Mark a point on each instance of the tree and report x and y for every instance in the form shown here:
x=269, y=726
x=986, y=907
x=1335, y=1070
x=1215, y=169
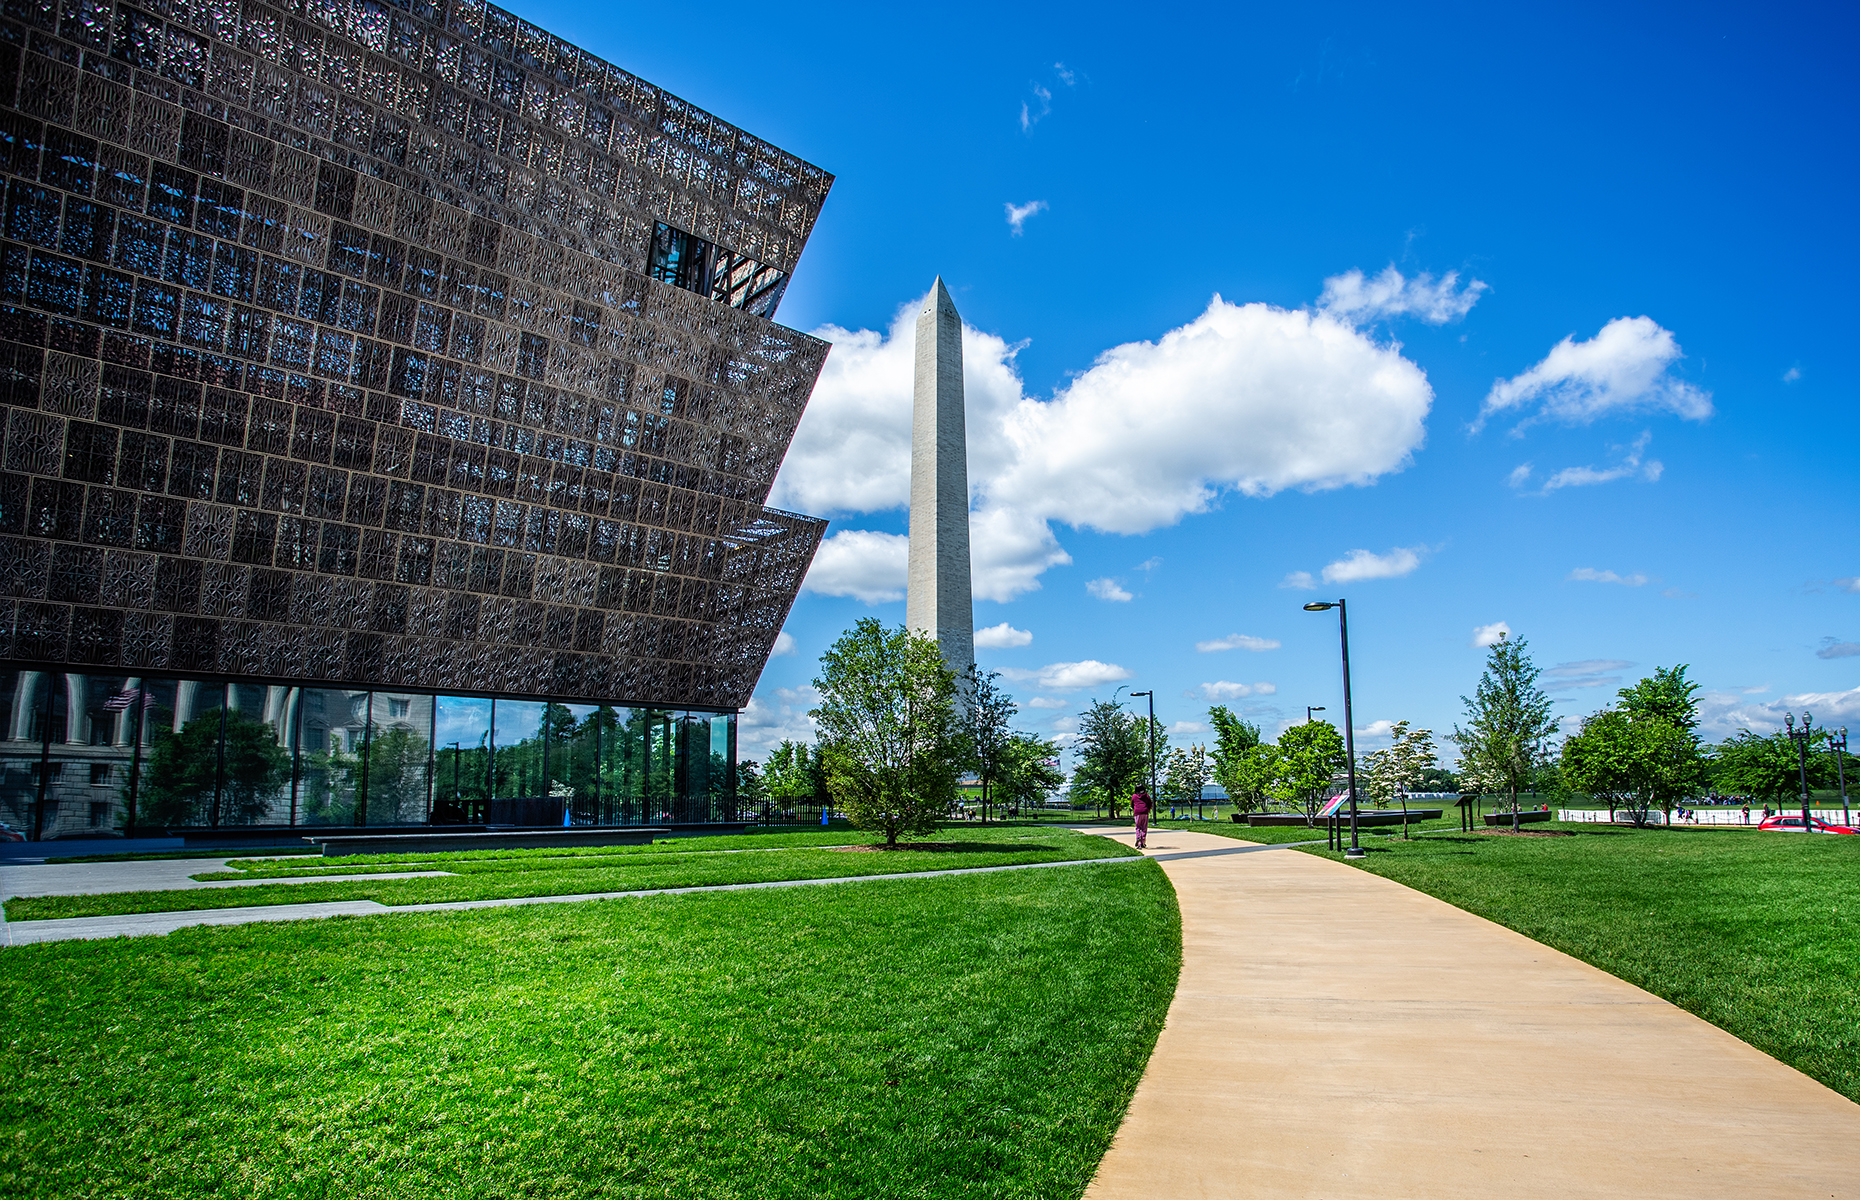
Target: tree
x=1244, y=762
x=1637, y=759
x=1112, y=754
x=1188, y=772
x=986, y=711
x=1400, y=769
x=890, y=737
x=1030, y=770
x=789, y=776
x=1507, y=719
x=1766, y=768
x=751, y=792
x=1309, y=757
x=1667, y=694
x=396, y=780
x=183, y=784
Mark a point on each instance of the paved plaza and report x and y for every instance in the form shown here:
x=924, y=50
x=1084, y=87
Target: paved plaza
x=1337, y=1034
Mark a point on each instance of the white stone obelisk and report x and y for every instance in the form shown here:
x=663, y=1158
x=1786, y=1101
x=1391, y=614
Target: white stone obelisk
x=938, y=602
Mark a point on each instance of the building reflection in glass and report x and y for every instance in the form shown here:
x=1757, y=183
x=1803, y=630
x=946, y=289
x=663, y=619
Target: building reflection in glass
x=123, y=755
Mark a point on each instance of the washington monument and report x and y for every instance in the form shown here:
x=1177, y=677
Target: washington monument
x=938, y=600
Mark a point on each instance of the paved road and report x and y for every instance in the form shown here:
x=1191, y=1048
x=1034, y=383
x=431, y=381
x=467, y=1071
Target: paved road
x=1336, y=1034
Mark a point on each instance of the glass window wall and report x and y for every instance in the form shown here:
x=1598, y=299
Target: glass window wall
x=107, y=755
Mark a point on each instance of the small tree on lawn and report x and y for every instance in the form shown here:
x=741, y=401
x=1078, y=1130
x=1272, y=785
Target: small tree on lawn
x=891, y=740
x=1309, y=757
x=1111, y=755
x=1507, y=719
x=1765, y=768
x=1188, y=771
x=1244, y=762
x=1030, y=770
x=986, y=712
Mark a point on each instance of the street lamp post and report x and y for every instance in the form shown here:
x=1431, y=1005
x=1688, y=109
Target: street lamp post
x=1152, y=735
x=1349, y=730
x=1839, y=746
x=1800, y=738
x=1311, y=708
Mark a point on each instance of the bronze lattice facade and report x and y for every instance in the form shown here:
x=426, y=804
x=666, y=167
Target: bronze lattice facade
x=379, y=346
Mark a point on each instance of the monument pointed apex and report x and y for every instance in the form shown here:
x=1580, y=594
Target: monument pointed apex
x=939, y=297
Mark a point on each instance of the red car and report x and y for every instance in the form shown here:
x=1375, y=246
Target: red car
x=1794, y=825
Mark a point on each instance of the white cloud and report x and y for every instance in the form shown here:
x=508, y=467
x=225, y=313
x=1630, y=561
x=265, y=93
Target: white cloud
x=784, y=644
x=1237, y=641
x=1489, y=635
x=1002, y=637
x=1792, y=374
x=1591, y=575
x=1359, y=300
x=1586, y=666
x=771, y=719
x=1048, y=702
x=1017, y=214
x=861, y=563
x=1300, y=580
x=1150, y=564
x=1586, y=673
x=1109, y=589
x=1633, y=463
x=1624, y=368
x=1223, y=690
x=1070, y=677
x=1028, y=117
x=1848, y=585
x=1186, y=727
x=1835, y=648
x=1359, y=565
x=1723, y=713
x=1376, y=729
x=1065, y=73
x=1245, y=398
x=1520, y=475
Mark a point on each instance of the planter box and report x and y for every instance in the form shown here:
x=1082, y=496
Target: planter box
x=1364, y=816
x=1524, y=818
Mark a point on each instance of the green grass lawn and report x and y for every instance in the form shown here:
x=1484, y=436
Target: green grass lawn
x=1758, y=933
x=968, y=1036
x=694, y=862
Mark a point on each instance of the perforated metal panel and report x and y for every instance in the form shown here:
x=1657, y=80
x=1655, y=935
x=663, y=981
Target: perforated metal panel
x=332, y=347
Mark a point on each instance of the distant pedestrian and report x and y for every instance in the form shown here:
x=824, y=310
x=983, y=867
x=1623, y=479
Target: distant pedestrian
x=1140, y=809
x=1746, y=814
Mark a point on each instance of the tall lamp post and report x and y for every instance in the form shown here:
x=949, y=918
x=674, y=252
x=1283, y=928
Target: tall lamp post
x=1311, y=708
x=1349, y=725
x=1839, y=746
x=1152, y=735
x=1800, y=738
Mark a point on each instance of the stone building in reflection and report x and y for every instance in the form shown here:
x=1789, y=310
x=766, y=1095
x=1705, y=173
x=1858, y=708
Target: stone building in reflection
x=390, y=395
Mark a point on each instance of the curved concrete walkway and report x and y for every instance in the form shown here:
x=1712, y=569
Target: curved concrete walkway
x=1336, y=1034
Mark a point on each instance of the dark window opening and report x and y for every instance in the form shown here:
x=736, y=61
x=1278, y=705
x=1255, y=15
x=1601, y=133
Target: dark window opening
x=687, y=261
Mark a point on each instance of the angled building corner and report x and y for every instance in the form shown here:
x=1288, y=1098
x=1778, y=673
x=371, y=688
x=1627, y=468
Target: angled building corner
x=362, y=365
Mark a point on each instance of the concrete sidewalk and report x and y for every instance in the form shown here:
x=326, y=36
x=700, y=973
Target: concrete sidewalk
x=26, y=933
x=1336, y=1034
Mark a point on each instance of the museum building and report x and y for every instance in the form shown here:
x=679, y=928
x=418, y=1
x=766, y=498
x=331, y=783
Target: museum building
x=391, y=392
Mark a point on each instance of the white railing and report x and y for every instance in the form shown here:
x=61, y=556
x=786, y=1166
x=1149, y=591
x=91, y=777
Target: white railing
x=1694, y=816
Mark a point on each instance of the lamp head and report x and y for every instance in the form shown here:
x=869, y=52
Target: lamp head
x=1319, y=606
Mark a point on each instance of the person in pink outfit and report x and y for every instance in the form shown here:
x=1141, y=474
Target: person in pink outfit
x=1140, y=809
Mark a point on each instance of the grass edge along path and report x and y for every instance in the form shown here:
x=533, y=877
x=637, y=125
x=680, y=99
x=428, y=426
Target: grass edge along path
x=975, y=1035
x=1757, y=933
x=508, y=878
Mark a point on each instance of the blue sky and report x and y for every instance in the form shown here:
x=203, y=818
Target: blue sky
x=1670, y=189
